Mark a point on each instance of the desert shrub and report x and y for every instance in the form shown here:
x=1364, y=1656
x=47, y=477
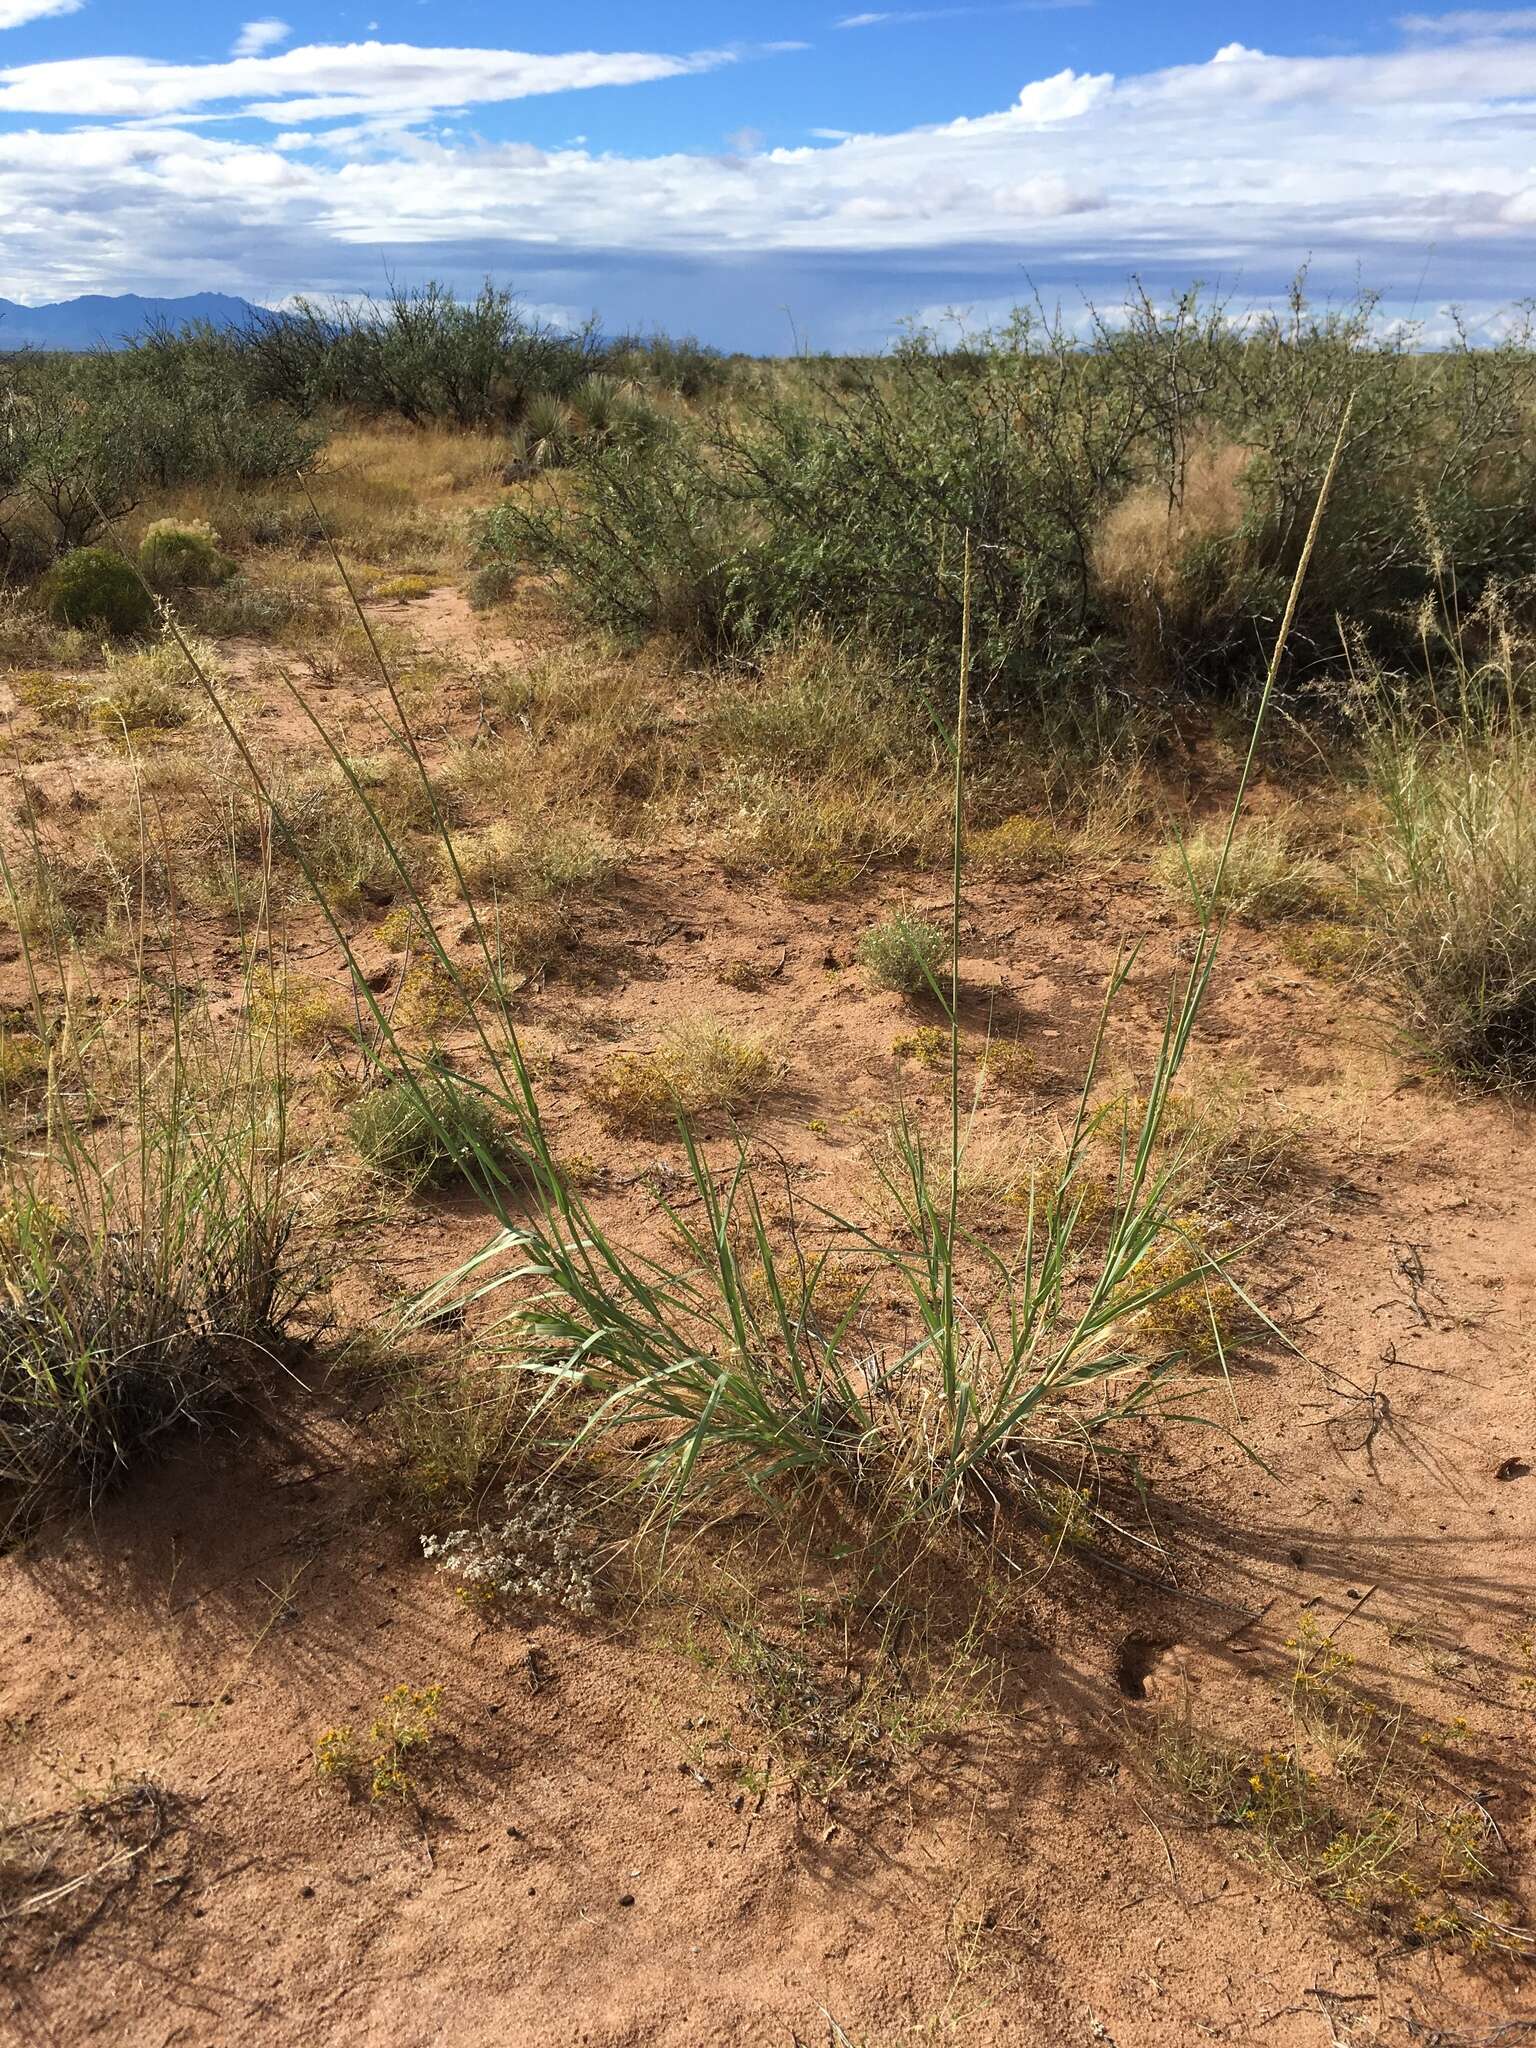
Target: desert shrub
x=646, y=545
x=680, y=364
x=85, y=436
x=183, y=555
x=421, y=354
x=432, y=1131
x=903, y=953
x=95, y=587
x=493, y=583
x=26, y=552
x=1142, y=498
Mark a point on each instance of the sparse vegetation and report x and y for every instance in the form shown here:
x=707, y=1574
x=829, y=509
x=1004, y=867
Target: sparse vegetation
x=807, y=1330
x=400, y=1739
x=536, y=1552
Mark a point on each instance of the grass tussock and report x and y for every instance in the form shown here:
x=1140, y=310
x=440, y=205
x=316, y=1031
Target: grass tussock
x=433, y=1130
x=903, y=953
x=149, y=1270
x=1268, y=874
x=700, y=1069
x=1453, y=886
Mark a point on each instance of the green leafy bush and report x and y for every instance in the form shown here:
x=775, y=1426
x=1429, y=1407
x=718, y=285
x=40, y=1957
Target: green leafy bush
x=95, y=587
x=183, y=555
x=1133, y=506
x=493, y=583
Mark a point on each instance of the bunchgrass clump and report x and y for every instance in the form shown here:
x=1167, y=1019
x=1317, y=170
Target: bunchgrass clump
x=1020, y=849
x=903, y=953
x=1453, y=889
x=699, y=1068
x=148, y=1273
x=492, y=584
x=433, y=1130
x=1267, y=875
x=544, y=863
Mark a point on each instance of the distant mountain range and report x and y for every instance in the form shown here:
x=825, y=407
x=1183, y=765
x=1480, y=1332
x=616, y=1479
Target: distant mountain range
x=93, y=321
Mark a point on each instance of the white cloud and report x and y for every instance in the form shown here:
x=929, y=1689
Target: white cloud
x=1241, y=164
x=1066, y=97
x=1472, y=21
x=257, y=37
x=895, y=17
x=17, y=13
x=321, y=82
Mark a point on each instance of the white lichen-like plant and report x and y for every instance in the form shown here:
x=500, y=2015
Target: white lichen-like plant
x=536, y=1553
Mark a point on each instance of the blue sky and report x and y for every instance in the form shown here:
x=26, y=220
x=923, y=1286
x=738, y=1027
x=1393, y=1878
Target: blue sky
x=749, y=172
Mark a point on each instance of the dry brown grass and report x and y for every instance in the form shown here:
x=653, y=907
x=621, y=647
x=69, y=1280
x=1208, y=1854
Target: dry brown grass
x=1270, y=873
x=1142, y=547
x=698, y=1068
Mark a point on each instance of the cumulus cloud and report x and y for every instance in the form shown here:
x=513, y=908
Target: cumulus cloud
x=1236, y=166
x=257, y=37
x=17, y=13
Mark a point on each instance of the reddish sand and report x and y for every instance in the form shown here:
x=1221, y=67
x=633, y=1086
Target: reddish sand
x=577, y=1871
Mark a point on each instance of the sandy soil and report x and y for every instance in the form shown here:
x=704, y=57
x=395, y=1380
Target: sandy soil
x=586, y=1864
